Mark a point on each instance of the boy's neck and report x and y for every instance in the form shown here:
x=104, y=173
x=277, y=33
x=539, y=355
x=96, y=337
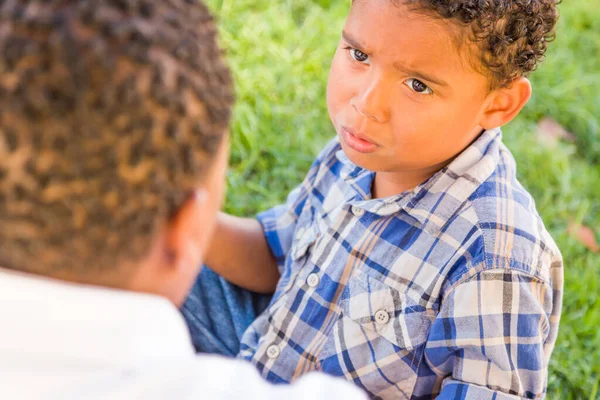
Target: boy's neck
x=388, y=184
x=391, y=183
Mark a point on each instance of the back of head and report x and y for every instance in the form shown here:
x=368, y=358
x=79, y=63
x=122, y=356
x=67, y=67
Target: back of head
x=111, y=112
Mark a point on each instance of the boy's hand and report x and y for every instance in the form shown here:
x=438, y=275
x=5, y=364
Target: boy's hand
x=239, y=253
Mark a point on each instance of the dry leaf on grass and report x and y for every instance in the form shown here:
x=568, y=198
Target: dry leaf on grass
x=584, y=235
x=550, y=132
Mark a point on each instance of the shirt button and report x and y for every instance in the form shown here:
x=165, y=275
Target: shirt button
x=382, y=317
x=313, y=280
x=359, y=212
x=273, y=351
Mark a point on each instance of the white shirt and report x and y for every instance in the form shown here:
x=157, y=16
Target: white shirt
x=67, y=341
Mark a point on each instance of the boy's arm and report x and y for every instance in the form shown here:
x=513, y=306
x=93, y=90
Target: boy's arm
x=239, y=252
x=493, y=336
x=251, y=253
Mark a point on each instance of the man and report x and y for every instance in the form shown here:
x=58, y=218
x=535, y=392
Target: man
x=113, y=150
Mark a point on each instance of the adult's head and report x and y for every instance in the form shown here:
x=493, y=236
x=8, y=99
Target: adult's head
x=113, y=140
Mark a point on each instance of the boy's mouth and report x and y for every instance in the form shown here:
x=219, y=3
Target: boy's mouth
x=358, y=141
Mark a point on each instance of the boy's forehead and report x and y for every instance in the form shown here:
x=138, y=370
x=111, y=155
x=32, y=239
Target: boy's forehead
x=393, y=31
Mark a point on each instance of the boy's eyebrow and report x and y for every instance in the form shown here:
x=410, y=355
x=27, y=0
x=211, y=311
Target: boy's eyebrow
x=353, y=42
x=419, y=75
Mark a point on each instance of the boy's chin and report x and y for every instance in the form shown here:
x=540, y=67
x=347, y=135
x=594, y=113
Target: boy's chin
x=368, y=161
x=374, y=162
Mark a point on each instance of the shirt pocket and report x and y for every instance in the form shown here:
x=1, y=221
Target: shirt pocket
x=379, y=338
x=305, y=237
x=387, y=312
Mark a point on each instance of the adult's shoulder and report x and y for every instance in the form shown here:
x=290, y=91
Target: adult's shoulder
x=217, y=377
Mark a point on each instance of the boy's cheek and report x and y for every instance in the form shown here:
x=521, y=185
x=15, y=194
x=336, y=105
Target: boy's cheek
x=339, y=89
x=335, y=97
x=339, y=74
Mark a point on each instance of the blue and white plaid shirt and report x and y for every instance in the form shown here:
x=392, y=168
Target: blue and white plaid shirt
x=452, y=290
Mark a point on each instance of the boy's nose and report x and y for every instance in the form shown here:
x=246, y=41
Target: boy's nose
x=372, y=101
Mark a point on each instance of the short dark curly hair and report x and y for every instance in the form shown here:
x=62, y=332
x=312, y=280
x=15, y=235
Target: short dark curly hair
x=111, y=111
x=512, y=35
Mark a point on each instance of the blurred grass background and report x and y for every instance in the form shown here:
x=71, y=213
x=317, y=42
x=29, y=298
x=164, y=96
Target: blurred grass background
x=280, y=53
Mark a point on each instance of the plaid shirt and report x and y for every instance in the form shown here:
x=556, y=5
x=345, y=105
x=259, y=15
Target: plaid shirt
x=452, y=290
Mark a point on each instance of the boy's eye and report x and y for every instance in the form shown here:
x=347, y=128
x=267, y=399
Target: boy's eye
x=418, y=86
x=359, y=55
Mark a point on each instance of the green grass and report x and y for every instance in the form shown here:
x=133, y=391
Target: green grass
x=280, y=53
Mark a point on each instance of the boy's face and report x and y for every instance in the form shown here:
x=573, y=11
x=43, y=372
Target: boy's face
x=402, y=96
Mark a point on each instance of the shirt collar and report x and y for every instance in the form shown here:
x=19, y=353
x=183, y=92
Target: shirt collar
x=48, y=319
x=434, y=201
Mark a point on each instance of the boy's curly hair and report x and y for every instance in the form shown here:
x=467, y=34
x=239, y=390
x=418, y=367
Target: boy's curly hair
x=110, y=113
x=512, y=35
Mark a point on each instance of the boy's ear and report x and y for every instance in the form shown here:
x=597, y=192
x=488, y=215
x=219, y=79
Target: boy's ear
x=505, y=103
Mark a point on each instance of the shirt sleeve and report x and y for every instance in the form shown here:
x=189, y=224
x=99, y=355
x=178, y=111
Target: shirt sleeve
x=493, y=337
x=279, y=222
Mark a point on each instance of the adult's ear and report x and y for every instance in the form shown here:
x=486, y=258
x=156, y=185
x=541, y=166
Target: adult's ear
x=186, y=237
x=178, y=251
x=175, y=257
x=504, y=104
x=189, y=231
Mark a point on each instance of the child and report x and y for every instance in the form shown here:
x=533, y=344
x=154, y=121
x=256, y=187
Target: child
x=113, y=151
x=412, y=261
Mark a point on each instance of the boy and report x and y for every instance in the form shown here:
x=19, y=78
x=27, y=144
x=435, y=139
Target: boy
x=412, y=261
x=113, y=149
